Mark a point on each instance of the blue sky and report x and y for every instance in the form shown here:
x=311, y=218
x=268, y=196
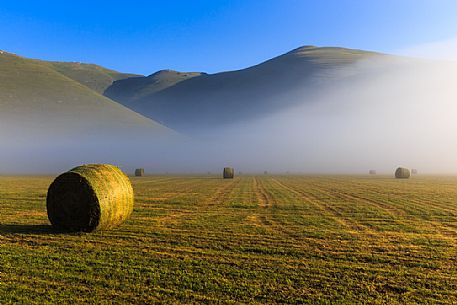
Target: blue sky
x=214, y=35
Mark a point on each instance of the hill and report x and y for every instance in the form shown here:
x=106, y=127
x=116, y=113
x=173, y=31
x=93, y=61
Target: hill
x=135, y=88
x=93, y=76
x=36, y=98
x=211, y=100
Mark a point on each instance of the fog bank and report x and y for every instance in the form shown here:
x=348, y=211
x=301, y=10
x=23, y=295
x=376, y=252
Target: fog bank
x=378, y=115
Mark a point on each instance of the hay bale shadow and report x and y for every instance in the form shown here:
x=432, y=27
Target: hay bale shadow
x=30, y=229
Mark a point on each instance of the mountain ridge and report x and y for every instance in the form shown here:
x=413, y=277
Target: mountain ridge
x=96, y=77
x=135, y=88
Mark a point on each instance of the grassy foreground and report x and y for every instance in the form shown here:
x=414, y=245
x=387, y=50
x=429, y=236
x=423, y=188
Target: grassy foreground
x=266, y=239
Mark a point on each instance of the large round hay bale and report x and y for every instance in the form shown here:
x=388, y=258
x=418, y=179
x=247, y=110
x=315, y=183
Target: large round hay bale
x=413, y=171
x=228, y=173
x=139, y=172
x=90, y=197
x=402, y=173
x=372, y=172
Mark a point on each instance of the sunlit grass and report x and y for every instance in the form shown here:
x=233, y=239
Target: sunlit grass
x=284, y=239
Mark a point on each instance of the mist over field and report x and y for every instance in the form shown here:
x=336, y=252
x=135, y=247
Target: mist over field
x=377, y=113
x=378, y=119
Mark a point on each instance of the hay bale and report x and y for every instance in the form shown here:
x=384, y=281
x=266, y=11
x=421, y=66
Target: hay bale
x=413, y=171
x=372, y=172
x=402, y=173
x=90, y=197
x=265, y=172
x=228, y=173
x=139, y=172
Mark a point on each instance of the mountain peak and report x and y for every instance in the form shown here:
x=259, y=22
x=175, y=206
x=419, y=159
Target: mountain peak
x=173, y=73
x=330, y=54
x=304, y=48
x=165, y=71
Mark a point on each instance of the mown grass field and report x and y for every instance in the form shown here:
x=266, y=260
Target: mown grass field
x=268, y=239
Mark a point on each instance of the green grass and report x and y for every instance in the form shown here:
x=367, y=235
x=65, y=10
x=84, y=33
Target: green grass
x=46, y=101
x=93, y=76
x=268, y=239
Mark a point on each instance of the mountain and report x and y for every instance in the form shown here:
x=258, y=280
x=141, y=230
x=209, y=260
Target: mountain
x=41, y=97
x=203, y=101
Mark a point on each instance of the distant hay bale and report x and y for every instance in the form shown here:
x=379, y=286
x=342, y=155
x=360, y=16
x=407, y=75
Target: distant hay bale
x=413, y=171
x=90, y=197
x=402, y=173
x=372, y=172
x=265, y=172
x=139, y=172
x=228, y=173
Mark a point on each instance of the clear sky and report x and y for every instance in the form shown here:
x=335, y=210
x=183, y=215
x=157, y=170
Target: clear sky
x=214, y=35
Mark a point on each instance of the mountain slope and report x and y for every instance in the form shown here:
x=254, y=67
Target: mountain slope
x=93, y=76
x=132, y=89
x=207, y=101
x=35, y=97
